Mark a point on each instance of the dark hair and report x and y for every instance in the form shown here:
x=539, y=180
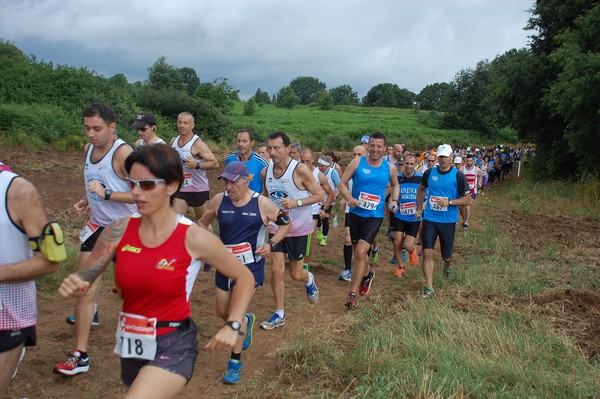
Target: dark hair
x=377, y=135
x=469, y=155
x=250, y=133
x=334, y=157
x=163, y=161
x=103, y=111
x=261, y=145
x=280, y=134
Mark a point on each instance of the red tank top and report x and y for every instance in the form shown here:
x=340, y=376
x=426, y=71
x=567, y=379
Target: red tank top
x=156, y=282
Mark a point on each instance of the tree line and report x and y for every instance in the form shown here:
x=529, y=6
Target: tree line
x=547, y=92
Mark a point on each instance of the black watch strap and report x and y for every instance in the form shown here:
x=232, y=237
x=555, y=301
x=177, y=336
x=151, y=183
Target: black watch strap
x=272, y=244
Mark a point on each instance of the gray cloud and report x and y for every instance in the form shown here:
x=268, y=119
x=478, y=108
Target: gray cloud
x=265, y=43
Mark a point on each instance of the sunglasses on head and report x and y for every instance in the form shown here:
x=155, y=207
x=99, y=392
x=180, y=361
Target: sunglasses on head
x=145, y=184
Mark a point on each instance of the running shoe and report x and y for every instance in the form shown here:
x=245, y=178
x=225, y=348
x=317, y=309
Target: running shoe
x=319, y=235
x=351, y=301
x=403, y=255
x=323, y=242
x=312, y=292
x=365, y=284
x=95, y=320
x=465, y=226
x=399, y=272
x=233, y=375
x=374, y=256
x=393, y=260
x=414, y=257
x=346, y=275
x=274, y=322
x=248, y=338
x=74, y=365
x=447, y=271
x=428, y=293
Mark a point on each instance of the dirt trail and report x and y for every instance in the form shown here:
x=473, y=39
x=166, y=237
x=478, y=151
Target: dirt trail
x=58, y=177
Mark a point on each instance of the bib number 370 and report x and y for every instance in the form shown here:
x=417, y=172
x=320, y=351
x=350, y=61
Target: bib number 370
x=136, y=337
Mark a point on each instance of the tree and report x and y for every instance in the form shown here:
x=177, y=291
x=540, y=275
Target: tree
x=344, y=95
x=220, y=93
x=389, y=95
x=286, y=98
x=262, y=97
x=250, y=107
x=190, y=79
x=325, y=101
x=161, y=75
x=307, y=88
x=433, y=97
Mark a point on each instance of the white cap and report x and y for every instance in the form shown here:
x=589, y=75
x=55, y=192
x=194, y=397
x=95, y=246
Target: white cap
x=458, y=160
x=444, y=150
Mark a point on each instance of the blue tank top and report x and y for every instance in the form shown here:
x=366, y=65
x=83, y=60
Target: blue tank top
x=242, y=230
x=407, y=204
x=368, y=187
x=441, y=185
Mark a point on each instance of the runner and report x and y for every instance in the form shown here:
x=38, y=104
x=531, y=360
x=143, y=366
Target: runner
x=291, y=186
x=108, y=197
x=405, y=227
x=21, y=216
x=370, y=175
x=346, y=275
x=254, y=162
x=261, y=150
x=318, y=209
x=475, y=179
x=447, y=189
x=243, y=216
x=145, y=124
x=159, y=256
x=333, y=180
x=197, y=158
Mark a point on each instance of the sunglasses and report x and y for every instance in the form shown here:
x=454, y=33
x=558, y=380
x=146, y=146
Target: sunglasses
x=143, y=129
x=145, y=185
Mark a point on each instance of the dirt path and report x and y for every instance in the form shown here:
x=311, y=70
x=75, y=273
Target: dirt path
x=58, y=177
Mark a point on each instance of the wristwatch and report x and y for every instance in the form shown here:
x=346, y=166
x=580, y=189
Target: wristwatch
x=107, y=194
x=272, y=244
x=235, y=325
x=450, y=202
x=299, y=203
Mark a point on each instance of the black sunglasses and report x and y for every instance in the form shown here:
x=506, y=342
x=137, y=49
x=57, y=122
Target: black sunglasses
x=143, y=129
x=145, y=185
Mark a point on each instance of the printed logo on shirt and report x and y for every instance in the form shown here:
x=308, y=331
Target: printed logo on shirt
x=248, y=213
x=366, y=171
x=130, y=248
x=166, y=265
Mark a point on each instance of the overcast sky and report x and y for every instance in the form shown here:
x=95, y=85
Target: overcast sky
x=267, y=43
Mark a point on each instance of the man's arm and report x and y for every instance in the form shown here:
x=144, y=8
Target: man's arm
x=343, y=187
x=394, y=188
x=270, y=213
x=118, y=163
x=211, y=211
x=304, y=176
x=327, y=188
x=201, y=150
x=24, y=207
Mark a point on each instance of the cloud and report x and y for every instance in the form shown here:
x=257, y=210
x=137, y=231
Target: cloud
x=265, y=44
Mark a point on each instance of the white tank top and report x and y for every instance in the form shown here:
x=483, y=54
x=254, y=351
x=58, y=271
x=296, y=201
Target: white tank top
x=471, y=175
x=105, y=212
x=18, y=304
x=284, y=187
x=316, y=208
x=194, y=180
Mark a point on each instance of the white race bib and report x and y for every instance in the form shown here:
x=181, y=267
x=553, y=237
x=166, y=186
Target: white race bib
x=187, y=180
x=136, y=337
x=408, y=208
x=243, y=252
x=89, y=229
x=435, y=206
x=368, y=201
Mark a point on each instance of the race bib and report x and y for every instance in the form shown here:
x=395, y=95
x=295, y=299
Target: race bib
x=368, y=201
x=409, y=208
x=187, y=180
x=243, y=252
x=435, y=206
x=89, y=229
x=136, y=337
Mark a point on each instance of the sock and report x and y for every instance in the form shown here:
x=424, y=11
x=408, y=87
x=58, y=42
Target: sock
x=348, y=256
x=82, y=354
x=280, y=313
x=236, y=356
x=95, y=307
x=311, y=280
